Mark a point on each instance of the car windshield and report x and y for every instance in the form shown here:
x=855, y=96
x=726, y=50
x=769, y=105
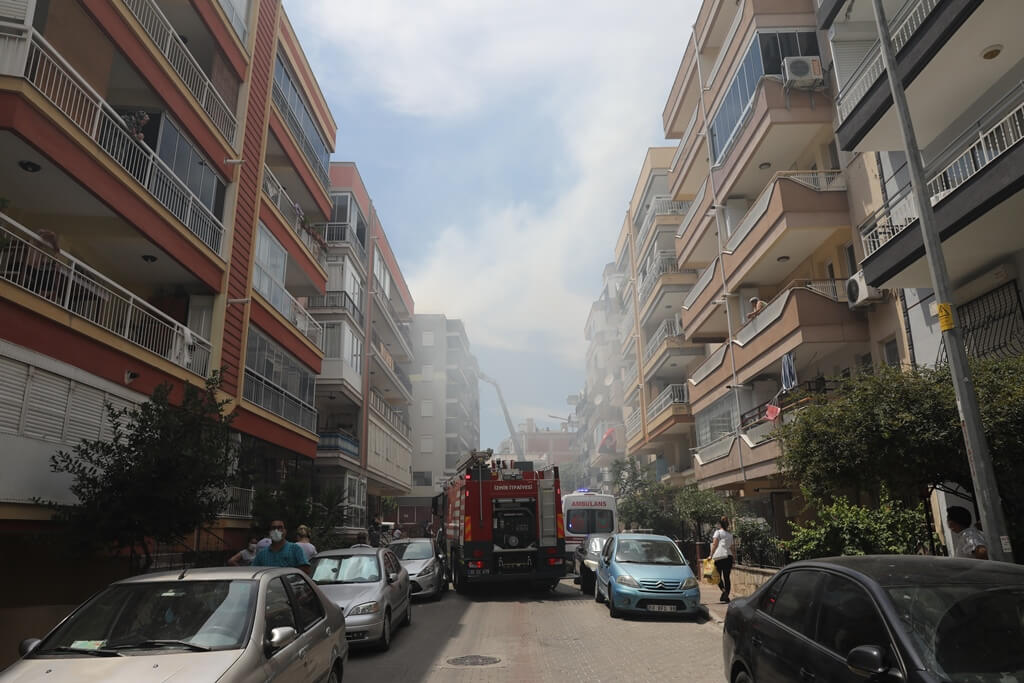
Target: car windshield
x=199, y=615
x=967, y=632
x=414, y=550
x=346, y=569
x=587, y=521
x=648, y=552
x=597, y=543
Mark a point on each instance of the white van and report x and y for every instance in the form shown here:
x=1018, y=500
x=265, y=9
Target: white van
x=587, y=512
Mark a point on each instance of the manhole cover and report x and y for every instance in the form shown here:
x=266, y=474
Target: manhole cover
x=473, y=660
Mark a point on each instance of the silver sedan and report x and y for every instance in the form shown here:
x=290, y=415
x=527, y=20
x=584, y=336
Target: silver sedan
x=425, y=565
x=221, y=624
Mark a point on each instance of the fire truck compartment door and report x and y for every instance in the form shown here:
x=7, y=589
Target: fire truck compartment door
x=548, y=517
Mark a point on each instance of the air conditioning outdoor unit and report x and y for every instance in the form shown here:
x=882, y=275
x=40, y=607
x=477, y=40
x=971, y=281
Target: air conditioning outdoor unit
x=858, y=293
x=802, y=73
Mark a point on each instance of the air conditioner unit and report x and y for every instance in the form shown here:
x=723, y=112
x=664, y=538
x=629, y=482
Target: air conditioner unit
x=802, y=73
x=858, y=293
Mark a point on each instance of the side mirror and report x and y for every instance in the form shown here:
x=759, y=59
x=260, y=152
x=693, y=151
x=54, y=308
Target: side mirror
x=867, y=661
x=27, y=646
x=280, y=637
x=392, y=577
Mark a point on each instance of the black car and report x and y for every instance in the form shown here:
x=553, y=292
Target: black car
x=880, y=618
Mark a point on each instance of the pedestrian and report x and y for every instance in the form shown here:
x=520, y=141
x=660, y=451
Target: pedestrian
x=302, y=540
x=756, y=306
x=967, y=541
x=244, y=557
x=397, y=533
x=280, y=552
x=721, y=555
x=375, y=532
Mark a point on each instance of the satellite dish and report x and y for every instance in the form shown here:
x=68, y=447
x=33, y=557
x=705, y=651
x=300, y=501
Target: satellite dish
x=609, y=379
x=598, y=399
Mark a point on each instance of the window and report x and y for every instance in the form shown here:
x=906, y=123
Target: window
x=833, y=155
x=795, y=599
x=308, y=609
x=277, y=381
x=426, y=444
x=381, y=274
x=851, y=260
x=427, y=408
x=422, y=479
x=279, y=607
x=355, y=499
x=891, y=353
x=830, y=270
x=191, y=167
x=428, y=338
x=451, y=461
x=848, y=618
x=427, y=373
x=333, y=336
x=717, y=420
x=272, y=266
x=316, y=153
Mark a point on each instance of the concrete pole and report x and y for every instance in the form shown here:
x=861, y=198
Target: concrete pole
x=983, y=474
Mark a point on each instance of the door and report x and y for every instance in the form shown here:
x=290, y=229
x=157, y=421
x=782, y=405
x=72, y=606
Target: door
x=284, y=665
x=602, y=565
x=312, y=625
x=780, y=626
x=398, y=592
x=848, y=618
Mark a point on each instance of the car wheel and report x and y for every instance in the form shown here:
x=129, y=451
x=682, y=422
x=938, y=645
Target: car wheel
x=613, y=611
x=597, y=592
x=407, y=621
x=385, y=637
x=742, y=677
x=335, y=676
x=460, y=585
x=587, y=582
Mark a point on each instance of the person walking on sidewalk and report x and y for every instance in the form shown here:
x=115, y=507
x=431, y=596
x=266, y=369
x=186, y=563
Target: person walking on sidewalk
x=721, y=555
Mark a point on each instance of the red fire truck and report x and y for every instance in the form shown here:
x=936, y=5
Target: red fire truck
x=503, y=523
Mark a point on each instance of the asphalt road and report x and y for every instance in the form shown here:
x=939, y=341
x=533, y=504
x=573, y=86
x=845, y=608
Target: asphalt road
x=559, y=636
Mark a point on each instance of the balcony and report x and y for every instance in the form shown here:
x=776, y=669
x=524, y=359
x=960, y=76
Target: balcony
x=295, y=128
x=237, y=20
x=342, y=235
x=667, y=354
x=338, y=442
x=660, y=213
x=29, y=56
x=690, y=162
x=630, y=379
x=703, y=307
x=271, y=397
x=695, y=239
x=796, y=213
x=669, y=413
x=294, y=217
x=396, y=377
x=390, y=415
x=663, y=289
x=336, y=301
x=395, y=336
x=240, y=505
x=974, y=186
x=287, y=305
x=634, y=425
x=88, y=295
x=171, y=46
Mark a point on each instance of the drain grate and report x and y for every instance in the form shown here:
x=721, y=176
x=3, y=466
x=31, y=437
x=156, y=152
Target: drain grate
x=473, y=660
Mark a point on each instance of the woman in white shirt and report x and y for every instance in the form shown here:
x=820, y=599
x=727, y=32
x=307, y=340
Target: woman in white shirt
x=721, y=555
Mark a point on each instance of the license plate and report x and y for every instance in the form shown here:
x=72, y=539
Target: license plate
x=661, y=608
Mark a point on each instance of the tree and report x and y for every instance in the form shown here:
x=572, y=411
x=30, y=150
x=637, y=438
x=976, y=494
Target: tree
x=293, y=503
x=164, y=472
x=642, y=501
x=700, y=507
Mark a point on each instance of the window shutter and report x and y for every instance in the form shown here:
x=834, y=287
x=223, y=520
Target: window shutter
x=847, y=56
x=86, y=414
x=13, y=380
x=47, y=406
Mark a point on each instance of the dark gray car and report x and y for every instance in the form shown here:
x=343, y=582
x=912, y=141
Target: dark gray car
x=586, y=560
x=428, y=574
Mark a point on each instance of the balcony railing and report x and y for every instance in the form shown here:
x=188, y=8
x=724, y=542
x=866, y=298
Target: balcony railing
x=628, y=321
x=240, y=505
x=830, y=289
x=237, y=21
x=633, y=424
x=296, y=129
x=666, y=329
x=293, y=216
x=702, y=283
x=393, y=417
x=279, y=297
x=657, y=269
x=903, y=26
x=54, y=78
x=170, y=44
x=339, y=441
x=271, y=397
x=336, y=234
x=385, y=307
x=660, y=206
x=629, y=377
x=672, y=394
x=86, y=293
x=798, y=395
x=691, y=213
x=342, y=300
x=820, y=181
x=991, y=136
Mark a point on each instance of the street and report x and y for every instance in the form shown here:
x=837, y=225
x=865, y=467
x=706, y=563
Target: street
x=541, y=636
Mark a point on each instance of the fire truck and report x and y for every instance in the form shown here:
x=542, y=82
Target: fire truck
x=503, y=523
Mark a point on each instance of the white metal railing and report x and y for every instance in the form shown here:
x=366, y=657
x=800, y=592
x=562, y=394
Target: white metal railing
x=964, y=158
x=237, y=21
x=342, y=233
x=903, y=26
x=691, y=213
x=628, y=320
x=702, y=283
x=715, y=450
x=666, y=329
x=54, y=78
x=240, y=505
x=660, y=206
x=279, y=297
x=656, y=270
x=633, y=424
x=820, y=181
x=170, y=44
x=300, y=135
x=394, y=418
x=86, y=293
x=384, y=306
x=710, y=364
x=293, y=215
x=830, y=289
x=269, y=396
x=672, y=394
x=630, y=375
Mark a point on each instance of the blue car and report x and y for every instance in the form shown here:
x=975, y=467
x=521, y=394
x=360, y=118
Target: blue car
x=645, y=573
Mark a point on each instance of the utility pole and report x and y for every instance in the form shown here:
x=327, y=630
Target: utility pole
x=985, y=491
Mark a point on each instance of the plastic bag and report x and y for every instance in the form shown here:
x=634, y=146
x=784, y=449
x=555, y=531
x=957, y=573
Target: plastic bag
x=710, y=572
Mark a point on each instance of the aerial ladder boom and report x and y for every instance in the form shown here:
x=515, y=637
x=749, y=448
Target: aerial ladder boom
x=516, y=446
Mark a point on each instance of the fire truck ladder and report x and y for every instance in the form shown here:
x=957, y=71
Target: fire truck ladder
x=516, y=446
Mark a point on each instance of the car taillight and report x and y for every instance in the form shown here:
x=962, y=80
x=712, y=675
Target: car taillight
x=555, y=560
x=475, y=564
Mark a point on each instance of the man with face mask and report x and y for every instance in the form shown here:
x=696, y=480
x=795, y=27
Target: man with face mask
x=245, y=556
x=280, y=553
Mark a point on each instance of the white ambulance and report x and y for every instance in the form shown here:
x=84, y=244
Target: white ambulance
x=587, y=512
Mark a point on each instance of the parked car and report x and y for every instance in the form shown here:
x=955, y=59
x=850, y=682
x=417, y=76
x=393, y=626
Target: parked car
x=587, y=554
x=880, y=618
x=645, y=573
x=221, y=624
x=372, y=588
x=428, y=573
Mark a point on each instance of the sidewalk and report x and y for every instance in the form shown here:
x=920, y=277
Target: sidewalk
x=709, y=598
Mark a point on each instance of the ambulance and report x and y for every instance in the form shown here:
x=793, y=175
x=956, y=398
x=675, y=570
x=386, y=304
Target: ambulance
x=587, y=512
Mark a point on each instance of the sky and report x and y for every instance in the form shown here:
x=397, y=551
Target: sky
x=500, y=143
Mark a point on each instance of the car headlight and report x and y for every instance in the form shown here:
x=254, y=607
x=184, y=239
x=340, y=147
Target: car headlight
x=427, y=571
x=365, y=608
x=689, y=583
x=626, y=580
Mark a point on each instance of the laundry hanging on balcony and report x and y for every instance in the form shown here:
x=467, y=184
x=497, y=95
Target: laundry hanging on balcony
x=788, y=372
x=607, y=444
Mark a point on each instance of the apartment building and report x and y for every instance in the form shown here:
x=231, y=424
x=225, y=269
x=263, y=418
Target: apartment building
x=364, y=392
x=970, y=147
x=601, y=434
x=164, y=163
x=656, y=359
x=446, y=409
